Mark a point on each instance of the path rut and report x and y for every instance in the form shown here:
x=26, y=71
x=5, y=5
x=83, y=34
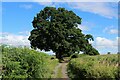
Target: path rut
x=63, y=70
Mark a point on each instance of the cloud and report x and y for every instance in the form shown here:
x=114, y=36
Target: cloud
x=103, y=9
x=0, y=16
x=45, y=3
x=76, y=0
x=26, y=6
x=113, y=31
x=102, y=44
x=48, y=52
x=24, y=33
x=82, y=27
x=108, y=10
x=110, y=30
x=60, y=0
x=14, y=40
x=51, y=4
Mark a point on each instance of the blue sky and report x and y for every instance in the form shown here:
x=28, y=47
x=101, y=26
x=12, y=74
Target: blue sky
x=98, y=18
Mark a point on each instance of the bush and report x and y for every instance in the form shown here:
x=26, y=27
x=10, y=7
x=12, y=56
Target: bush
x=108, y=53
x=52, y=58
x=74, y=55
x=25, y=63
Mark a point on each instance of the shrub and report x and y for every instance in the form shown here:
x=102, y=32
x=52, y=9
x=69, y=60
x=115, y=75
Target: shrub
x=25, y=63
x=108, y=53
x=52, y=58
x=74, y=55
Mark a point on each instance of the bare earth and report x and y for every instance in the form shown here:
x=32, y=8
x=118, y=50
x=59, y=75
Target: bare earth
x=63, y=72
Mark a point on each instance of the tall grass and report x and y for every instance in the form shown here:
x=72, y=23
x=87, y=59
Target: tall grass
x=101, y=66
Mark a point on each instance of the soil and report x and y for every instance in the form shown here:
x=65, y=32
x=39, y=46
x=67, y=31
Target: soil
x=63, y=70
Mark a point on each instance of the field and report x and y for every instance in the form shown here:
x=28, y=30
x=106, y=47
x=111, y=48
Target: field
x=100, y=66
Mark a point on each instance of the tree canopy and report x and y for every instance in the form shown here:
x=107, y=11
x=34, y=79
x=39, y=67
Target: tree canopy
x=57, y=30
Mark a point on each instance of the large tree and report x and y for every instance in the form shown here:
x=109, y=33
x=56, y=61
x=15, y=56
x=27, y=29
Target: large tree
x=57, y=30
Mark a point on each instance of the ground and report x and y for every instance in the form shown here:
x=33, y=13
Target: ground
x=61, y=70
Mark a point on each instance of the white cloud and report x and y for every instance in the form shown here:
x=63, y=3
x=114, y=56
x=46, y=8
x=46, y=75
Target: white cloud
x=0, y=18
x=108, y=10
x=110, y=30
x=102, y=44
x=24, y=33
x=102, y=9
x=15, y=40
x=82, y=27
x=51, y=4
x=26, y=6
x=48, y=52
x=113, y=31
x=45, y=3
x=60, y=0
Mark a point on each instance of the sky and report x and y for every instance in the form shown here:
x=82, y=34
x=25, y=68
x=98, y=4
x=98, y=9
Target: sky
x=98, y=18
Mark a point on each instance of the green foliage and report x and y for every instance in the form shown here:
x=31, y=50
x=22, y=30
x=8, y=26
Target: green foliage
x=90, y=50
x=0, y=62
x=102, y=66
x=25, y=63
x=75, y=55
x=108, y=53
x=57, y=30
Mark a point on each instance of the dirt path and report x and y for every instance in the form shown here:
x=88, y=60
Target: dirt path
x=64, y=70
x=56, y=70
x=61, y=71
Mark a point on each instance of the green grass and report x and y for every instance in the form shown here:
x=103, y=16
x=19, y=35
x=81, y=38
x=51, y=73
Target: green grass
x=59, y=74
x=0, y=64
x=0, y=56
x=52, y=64
x=100, y=66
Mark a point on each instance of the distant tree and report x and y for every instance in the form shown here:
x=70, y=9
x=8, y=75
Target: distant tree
x=88, y=49
x=57, y=30
x=108, y=53
x=118, y=52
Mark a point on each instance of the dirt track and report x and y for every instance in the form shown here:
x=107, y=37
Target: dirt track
x=63, y=70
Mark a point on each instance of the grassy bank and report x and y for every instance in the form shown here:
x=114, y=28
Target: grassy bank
x=101, y=66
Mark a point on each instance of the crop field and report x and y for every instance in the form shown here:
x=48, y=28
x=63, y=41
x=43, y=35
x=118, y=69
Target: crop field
x=100, y=66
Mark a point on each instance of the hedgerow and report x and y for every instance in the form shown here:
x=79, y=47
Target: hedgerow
x=25, y=63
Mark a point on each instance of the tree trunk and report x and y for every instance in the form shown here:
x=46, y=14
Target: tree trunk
x=59, y=57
